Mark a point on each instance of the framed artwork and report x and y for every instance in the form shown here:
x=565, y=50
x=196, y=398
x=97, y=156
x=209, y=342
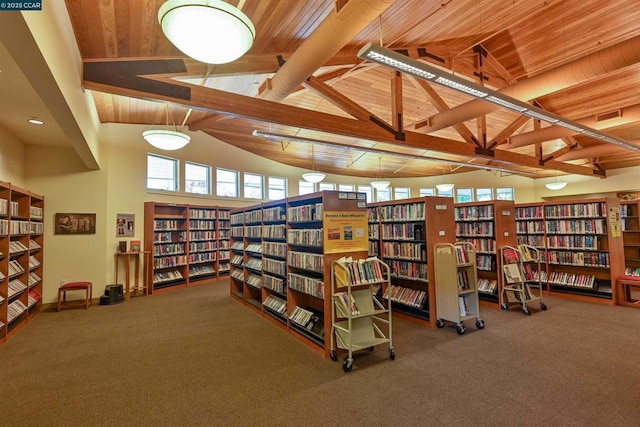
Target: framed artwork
x=125, y=225
x=75, y=223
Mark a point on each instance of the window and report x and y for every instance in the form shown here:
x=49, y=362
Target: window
x=427, y=192
x=484, y=194
x=366, y=189
x=197, y=178
x=253, y=186
x=445, y=193
x=383, y=195
x=464, y=195
x=305, y=187
x=402, y=193
x=504, y=194
x=227, y=183
x=326, y=186
x=162, y=173
x=346, y=187
x=277, y=188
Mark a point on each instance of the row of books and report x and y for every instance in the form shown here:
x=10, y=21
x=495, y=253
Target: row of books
x=15, y=309
x=463, y=306
x=254, y=247
x=15, y=287
x=276, y=213
x=253, y=216
x=203, y=246
x=402, y=232
x=274, y=266
x=34, y=262
x=167, y=276
x=487, y=286
x=462, y=254
x=201, y=270
x=276, y=284
x=198, y=257
x=407, y=296
x=577, y=226
x=15, y=268
x=577, y=210
x=361, y=271
x=238, y=274
x=202, y=224
x=408, y=270
x=473, y=213
x=463, y=280
x=238, y=245
x=487, y=245
x=276, y=304
x=632, y=271
x=168, y=237
x=345, y=304
x=374, y=231
x=237, y=218
x=484, y=229
x=167, y=224
x=169, y=261
x=306, y=261
x=529, y=212
x=373, y=214
x=485, y=262
x=253, y=231
x=16, y=246
x=254, y=280
x=406, y=212
x=237, y=260
x=530, y=227
x=574, y=242
x=537, y=241
x=237, y=231
x=202, y=235
x=411, y=251
x=305, y=237
x=305, y=213
x=34, y=279
x=254, y=264
x=274, y=249
x=167, y=249
x=307, y=285
x=588, y=259
x=33, y=298
x=373, y=249
x=202, y=213
x=274, y=231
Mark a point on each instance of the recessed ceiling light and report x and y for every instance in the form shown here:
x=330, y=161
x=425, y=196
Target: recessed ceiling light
x=35, y=121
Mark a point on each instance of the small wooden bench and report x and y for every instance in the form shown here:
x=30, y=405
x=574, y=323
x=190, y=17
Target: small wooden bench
x=627, y=285
x=63, y=304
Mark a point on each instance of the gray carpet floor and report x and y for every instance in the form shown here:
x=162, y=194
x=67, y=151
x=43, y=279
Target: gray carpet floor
x=197, y=357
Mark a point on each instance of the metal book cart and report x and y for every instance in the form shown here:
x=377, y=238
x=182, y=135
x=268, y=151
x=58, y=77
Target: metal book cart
x=519, y=277
x=358, y=319
x=456, y=285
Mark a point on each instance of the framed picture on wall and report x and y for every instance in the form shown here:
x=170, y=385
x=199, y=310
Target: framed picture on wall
x=75, y=223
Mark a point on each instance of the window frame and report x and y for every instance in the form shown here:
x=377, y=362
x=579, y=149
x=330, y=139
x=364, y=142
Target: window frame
x=237, y=182
x=251, y=186
x=176, y=172
x=207, y=181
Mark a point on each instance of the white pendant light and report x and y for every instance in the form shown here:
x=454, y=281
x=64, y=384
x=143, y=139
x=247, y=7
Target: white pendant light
x=379, y=183
x=210, y=31
x=166, y=139
x=556, y=185
x=315, y=176
x=444, y=186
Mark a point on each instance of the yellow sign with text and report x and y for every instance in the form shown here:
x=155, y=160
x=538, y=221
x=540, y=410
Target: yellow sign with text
x=345, y=232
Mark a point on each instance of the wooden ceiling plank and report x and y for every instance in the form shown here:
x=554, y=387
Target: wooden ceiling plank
x=396, y=101
x=503, y=136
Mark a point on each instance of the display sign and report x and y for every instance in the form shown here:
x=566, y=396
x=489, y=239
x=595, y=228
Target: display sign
x=345, y=231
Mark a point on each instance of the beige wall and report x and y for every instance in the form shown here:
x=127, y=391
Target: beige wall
x=11, y=158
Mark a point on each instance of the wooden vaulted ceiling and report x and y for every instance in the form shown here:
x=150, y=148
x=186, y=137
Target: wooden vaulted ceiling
x=354, y=106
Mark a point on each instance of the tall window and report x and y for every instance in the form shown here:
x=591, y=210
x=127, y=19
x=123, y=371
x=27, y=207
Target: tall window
x=162, y=173
x=366, y=189
x=197, y=178
x=402, y=193
x=383, y=195
x=277, y=188
x=427, y=192
x=305, y=187
x=253, y=186
x=346, y=187
x=227, y=183
x=504, y=194
x=465, y=195
x=445, y=193
x=326, y=186
x=484, y=194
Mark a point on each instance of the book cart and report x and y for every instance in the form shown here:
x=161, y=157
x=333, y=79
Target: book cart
x=359, y=320
x=519, y=276
x=456, y=285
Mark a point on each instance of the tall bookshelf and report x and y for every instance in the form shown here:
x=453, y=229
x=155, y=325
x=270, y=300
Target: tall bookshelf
x=488, y=226
x=189, y=244
x=299, y=238
x=630, y=216
x=582, y=245
x=21, y=257
x=408, y=230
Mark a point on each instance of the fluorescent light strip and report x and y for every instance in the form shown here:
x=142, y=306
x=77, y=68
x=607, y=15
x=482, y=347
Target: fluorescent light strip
x=388, y=57
x=279, y=138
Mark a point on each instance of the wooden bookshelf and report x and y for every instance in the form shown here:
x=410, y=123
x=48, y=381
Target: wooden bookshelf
x=408, y=230
x=583, y=246
x=488, y=226
x=21, y=257
x=189, y=244
x=628, y=286
x=300, y=237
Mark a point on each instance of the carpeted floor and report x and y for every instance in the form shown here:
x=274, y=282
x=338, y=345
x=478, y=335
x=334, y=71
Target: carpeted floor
x=197, y=357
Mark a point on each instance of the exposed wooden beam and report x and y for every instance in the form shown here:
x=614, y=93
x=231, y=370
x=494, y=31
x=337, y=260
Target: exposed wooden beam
x=503, y=136
x=126, y=82
x=396, y=101
x=331, y=95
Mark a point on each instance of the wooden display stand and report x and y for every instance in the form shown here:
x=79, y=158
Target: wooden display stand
x=127, y=258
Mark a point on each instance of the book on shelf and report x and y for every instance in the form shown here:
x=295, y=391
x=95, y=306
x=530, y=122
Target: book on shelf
x=526, y=253
x=512, y=273
x=346, y=304
x=135, y=246
x=510, y=255
x=122, y=246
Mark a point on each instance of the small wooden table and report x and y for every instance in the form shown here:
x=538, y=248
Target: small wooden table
x=627, y=285
x=135, y=257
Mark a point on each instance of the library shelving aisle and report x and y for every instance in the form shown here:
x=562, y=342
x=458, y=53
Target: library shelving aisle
x=585, y=251
x=359, y=320
x=274, y=260
x=189, y=244
x=253, y=257
x=373, y=215
x=409, y=229
x=321, y=227
x=456, y=285
x=530, y=230
x=629, y=285
x=488, y=226
x=521, y=272
x=236, y=280
x=21, y=242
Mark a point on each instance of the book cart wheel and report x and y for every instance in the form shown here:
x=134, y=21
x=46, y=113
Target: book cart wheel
x=392, y=354
x=333, y=355
x=440, y=323
x=371, y=348
x=526, y=311
x=479, y=323
x=347, y=366
x=543, y=306
x=461, y=330
x=504, y=306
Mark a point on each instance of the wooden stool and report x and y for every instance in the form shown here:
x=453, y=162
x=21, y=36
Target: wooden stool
x=74, y=286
